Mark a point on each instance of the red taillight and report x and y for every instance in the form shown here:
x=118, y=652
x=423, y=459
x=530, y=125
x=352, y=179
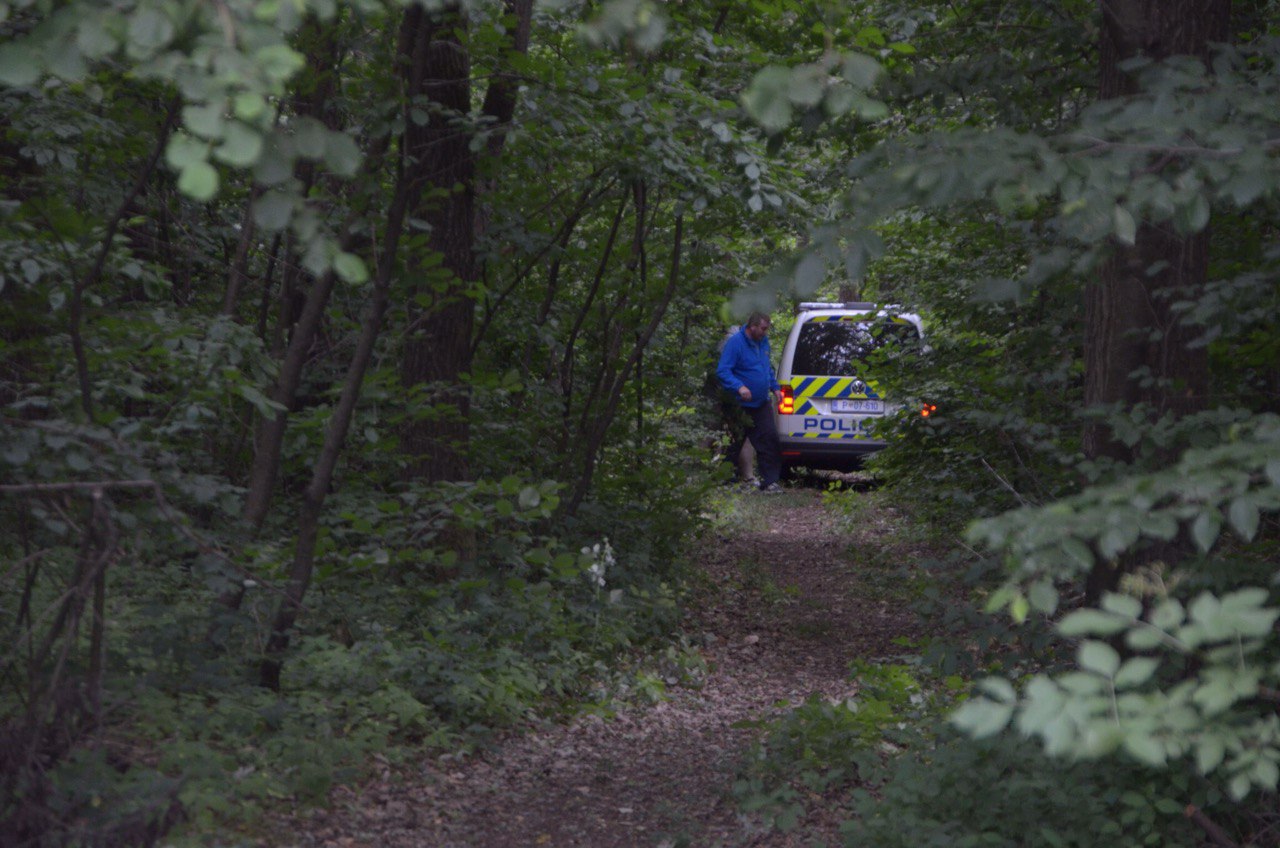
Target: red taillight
x=786, y=401
x=928, y=409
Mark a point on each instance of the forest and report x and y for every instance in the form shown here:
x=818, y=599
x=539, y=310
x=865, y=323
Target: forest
x=354, y=402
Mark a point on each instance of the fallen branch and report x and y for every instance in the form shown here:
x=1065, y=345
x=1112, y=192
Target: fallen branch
x=174, y=516
x=93, y=485
x=1216, y=834
x=1006, y=484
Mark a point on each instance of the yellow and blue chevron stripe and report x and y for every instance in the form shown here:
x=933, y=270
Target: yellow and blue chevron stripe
x=805, y=389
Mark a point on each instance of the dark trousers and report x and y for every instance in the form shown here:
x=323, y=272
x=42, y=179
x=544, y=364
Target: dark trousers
x=763, y=434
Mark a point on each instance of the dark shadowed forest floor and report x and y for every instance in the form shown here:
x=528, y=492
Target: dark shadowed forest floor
x=786, y=605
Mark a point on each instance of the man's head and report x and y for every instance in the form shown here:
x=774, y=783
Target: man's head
x=757, y=326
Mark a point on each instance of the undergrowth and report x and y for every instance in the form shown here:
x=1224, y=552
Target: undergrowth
x=818, y=751
x=888, y=760
x=406, y=651
x=902, y=777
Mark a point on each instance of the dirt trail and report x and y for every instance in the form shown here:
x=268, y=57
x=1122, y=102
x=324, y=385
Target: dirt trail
x=776, y=627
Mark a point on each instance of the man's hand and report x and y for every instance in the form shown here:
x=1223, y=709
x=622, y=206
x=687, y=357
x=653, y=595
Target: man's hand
x=744, y=393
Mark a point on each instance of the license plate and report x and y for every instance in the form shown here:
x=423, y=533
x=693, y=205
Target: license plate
x=864, y=406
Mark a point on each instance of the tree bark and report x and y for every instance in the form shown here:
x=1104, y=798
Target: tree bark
x=1136, y=349
x=442, y=314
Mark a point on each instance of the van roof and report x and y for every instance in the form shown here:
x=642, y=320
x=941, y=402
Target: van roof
x=870, y=309
x=810, y=306
x=854, y=306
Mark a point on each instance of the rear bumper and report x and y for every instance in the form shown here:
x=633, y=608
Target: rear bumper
x=837, y=456
x=833, y=442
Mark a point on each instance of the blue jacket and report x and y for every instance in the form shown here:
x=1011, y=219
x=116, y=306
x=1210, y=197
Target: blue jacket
x=746, y=363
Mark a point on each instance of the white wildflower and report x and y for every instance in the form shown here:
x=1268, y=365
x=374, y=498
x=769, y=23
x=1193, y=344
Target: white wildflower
x=602, y=559
x=595, y=574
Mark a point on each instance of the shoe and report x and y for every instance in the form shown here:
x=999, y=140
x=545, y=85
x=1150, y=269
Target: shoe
x=772, y=489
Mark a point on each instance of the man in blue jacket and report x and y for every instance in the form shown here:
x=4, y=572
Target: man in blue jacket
x=746, y=370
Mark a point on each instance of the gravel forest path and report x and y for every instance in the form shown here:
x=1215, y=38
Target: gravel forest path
x=788, y=602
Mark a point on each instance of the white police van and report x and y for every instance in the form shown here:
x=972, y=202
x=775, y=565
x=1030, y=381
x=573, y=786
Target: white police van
x=830, y=404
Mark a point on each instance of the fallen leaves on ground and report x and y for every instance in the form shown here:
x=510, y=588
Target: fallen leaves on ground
x=786, y=609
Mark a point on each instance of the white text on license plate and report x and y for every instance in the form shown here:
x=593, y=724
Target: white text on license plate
x=863, y=406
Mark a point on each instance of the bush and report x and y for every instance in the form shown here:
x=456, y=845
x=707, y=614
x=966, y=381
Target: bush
x=1003, y=793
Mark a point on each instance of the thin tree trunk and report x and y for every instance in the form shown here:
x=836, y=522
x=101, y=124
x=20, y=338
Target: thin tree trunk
x=610, y=334
x=303, y=565
x=264, y=301
x=323, y=51
x=559, y=240
x=75, y=303
x=595, y=439
x=270, y=437
x=313, y=499
x=240, y=265
x=566, y=361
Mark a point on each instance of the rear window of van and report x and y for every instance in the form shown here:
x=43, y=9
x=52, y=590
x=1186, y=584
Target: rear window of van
x=839, y=348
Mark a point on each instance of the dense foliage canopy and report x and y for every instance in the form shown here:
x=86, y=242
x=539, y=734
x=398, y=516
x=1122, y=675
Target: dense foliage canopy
x=354, y=352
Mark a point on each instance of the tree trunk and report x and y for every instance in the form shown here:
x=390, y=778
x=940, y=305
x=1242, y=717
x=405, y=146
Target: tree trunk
x=1136, y=349
x=301, y=569
x=593, y=437
x=239, y=272
x=270, y=437
x=303, y=565
x=300, y=326
x=75, y=303
x=442, y=310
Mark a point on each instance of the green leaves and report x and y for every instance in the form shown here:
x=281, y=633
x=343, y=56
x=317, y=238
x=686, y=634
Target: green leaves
x=981, y=718
x=1244, y=516
x=767, y=99
x=198, y=180
x=342, y=154
x=1237, y=618
x=149, y=30
x=1117, y=699
x=240, y=147
x=639, y=23
x=279, y=62
x=1205, y=527
x=184, y=150
x=1099, y=658
x=1126, y=229
x=1204, y=490
x=96, y=36
x=1135, y=672
x=206, y=119
x=836, y=84
x=350, y=268
x=1092, y=622
x=20, y=65
x=274, y=209
x=810, y=271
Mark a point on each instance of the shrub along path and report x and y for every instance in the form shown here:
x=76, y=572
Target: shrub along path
x=792, y=597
